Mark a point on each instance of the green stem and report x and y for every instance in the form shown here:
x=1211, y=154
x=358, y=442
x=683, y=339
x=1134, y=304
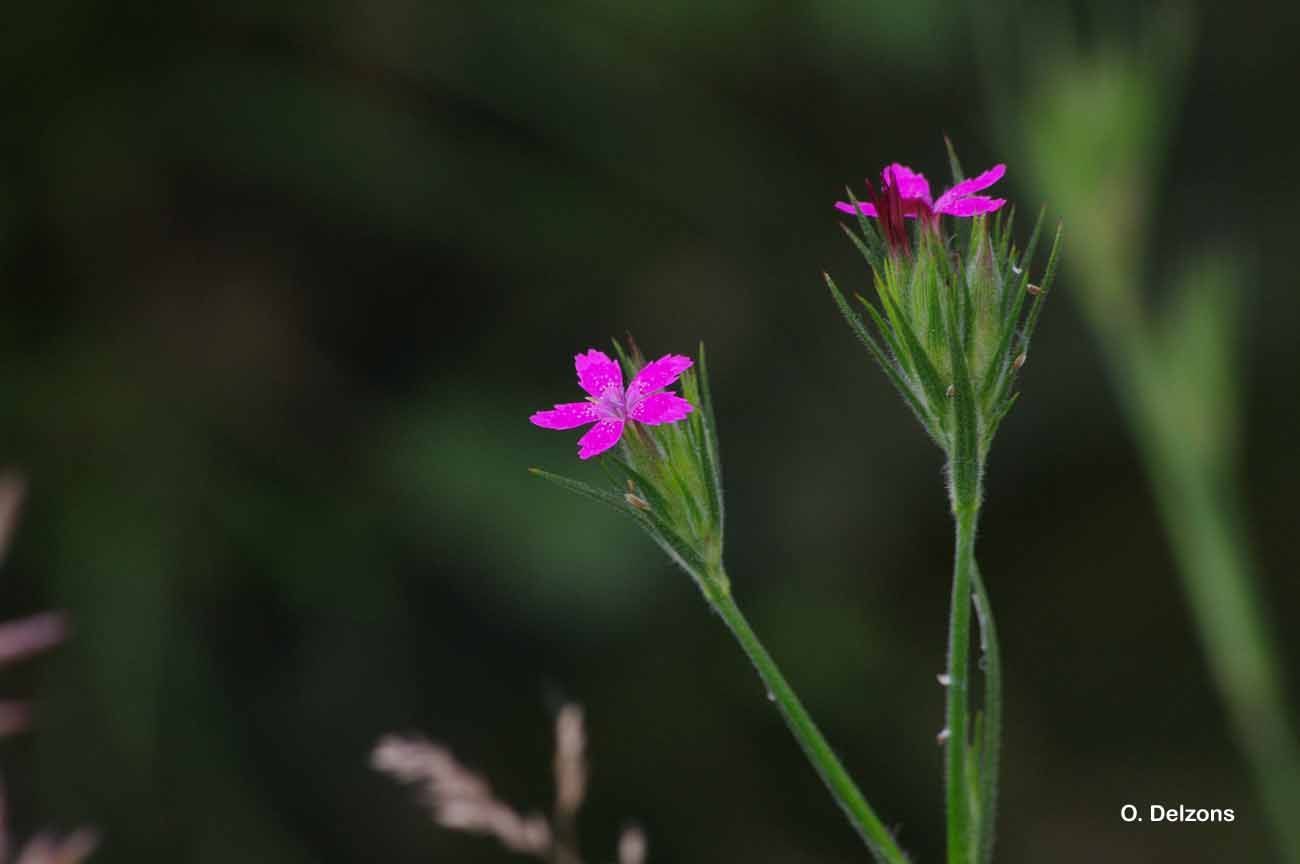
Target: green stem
x=1197, y=493
x=879, y=841
x=1200, y=506
x=958, y=788
x=991, y=734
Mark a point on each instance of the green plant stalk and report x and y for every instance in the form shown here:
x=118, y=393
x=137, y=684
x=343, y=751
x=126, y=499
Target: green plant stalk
x=1202, y=516
x=1197, y=498
x=965, y=473
x=1220, y=585
x=991, y=733
x=960, y=831
x=884, y=848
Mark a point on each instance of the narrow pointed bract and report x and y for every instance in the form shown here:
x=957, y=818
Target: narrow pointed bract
x=947, y=305
x=665, y=468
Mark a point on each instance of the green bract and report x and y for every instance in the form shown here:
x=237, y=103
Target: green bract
x=950, y=313
x=668, y=479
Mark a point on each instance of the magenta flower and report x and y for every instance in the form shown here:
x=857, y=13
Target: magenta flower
x=610, y=407
x=905, y=194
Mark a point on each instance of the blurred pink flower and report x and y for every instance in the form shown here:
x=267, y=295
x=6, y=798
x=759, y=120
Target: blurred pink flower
x=24, y=637
x=20, y=639
x=48, y=848
x=610, y=407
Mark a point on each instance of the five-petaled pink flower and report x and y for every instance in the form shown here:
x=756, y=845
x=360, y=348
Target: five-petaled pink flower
x=610, y=407
x=905, y=194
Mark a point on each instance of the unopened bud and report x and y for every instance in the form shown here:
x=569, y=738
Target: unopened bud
x=1020, y=360
x=943, y=679
x=942, y=737
x=1034, y=289
x=951, y=391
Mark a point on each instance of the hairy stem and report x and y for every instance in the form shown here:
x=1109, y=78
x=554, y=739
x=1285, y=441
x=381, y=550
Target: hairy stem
x=879, y=841
x=991, y=733
x=958, y=786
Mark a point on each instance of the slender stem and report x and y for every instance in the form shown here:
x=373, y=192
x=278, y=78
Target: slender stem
x=879, y=841
x=1202, y=513
x=958, y=787
x=991, y=734
x=1198, y=495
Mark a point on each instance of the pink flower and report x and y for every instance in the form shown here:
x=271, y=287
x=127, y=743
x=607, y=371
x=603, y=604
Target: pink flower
x=905, y=193
x=610, y=407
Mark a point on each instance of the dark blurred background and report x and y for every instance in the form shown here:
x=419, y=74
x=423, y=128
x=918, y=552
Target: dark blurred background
x=282, y=284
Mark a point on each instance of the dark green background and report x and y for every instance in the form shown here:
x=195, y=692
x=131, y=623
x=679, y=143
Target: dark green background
x=282, y=283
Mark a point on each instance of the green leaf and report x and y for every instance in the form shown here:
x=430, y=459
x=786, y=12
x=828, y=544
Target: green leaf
x=583, y=489
x=873, y=245
x=629, y=370
x=1002, y=235
x=989, y=732
x=681, y=551
x=930, y=382
x=886, y=333
x=1025, y=267
x=1026, y=261
x=861, y=247
x=995, y=421
x=864, y=336
x=953, y=162
x=965, y=321
x=658, y=528
x=681, y=453
x=974, y=785
x=618, y=469
x=711, y=442
x=964, y=454
x=933, y=290
x=1048, y=277
x=996, y=377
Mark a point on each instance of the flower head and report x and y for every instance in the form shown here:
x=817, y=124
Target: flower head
x=951, y=329
x=905, y=194
x=666, y=474
x=610, y=407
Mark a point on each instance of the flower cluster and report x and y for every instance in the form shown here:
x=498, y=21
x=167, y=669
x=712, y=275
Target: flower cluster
x=947, y=326
x=948, y=307
x=665, y=469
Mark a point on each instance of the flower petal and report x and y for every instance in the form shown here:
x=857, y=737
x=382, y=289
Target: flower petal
x=864, y=209
x=915, y=208
x=600, y=438
x=909, y=183
x=660, y=408
x=31, y=635
x=597, y=373
x=970, y=187
x=656, y=375
x=972, y=205
x=569, y=415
